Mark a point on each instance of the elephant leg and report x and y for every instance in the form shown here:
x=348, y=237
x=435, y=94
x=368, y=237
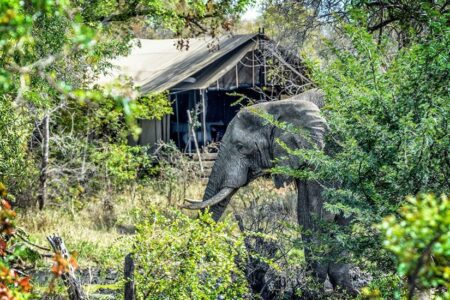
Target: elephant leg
x=340, y=276
x=309, y=203
x=339, y=273
x=218, y=209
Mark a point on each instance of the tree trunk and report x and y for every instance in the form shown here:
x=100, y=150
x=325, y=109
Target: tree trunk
x=42, y=199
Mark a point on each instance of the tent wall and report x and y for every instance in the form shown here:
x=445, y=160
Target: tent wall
x=153, y=131
x=244, y=74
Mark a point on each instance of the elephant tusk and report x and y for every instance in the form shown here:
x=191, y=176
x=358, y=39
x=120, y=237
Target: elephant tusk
x=193, y=200
x=194, y=204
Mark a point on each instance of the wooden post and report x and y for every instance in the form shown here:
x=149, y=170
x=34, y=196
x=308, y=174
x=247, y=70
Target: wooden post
x=128, y=272
x=189, y=133
x=42, y=199
x=194, y=136
x=265, y=64
x=70, y=280
x=262, y=61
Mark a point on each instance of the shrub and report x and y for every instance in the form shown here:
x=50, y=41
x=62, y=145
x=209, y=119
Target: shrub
x=420, y=239
x=175, y=172
x=16, y=168
x=388, y=138
x=12, y=253
x=182, y=258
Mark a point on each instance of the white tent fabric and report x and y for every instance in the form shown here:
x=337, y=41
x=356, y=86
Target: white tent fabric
x=218, y=69
x=157, y=65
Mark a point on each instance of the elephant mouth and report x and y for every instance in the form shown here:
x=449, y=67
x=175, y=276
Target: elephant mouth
x=221, y=195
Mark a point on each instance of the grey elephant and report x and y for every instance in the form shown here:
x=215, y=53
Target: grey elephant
x=249, y=148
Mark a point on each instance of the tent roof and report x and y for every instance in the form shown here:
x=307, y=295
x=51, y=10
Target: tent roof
x=157, y=65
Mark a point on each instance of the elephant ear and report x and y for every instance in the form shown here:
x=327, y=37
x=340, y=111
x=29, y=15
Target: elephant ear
x=303, y=128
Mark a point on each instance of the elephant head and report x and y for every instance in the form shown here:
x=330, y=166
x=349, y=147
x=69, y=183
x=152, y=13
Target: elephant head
x=254, y=140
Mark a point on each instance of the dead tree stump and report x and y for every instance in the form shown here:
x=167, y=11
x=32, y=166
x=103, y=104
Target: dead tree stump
x=70, y=280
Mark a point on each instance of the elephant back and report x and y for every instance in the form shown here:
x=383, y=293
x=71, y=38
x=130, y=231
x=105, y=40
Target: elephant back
x=316, y=96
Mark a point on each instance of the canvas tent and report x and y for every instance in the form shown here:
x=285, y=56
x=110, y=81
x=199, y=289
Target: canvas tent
x=200, y=79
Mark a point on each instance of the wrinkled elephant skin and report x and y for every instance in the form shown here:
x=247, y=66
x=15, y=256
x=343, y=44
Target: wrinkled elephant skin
x=249, y=147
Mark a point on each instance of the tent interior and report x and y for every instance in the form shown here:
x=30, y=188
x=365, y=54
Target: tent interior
x=215, y=109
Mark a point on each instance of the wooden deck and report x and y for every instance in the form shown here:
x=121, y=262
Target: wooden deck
x=208, y=160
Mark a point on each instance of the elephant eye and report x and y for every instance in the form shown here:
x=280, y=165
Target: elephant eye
x=241, y=148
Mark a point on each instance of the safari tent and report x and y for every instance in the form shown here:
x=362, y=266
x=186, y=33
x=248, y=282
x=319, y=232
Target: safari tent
x=205, y=80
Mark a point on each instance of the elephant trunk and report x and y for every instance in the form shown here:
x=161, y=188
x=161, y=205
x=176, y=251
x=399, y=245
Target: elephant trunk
x=223, y=182
x=216, y=177
x=216, y=184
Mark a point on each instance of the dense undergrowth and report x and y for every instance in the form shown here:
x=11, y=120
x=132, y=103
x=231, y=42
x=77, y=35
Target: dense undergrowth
x=183, y=257
x=256, y=252
x=143, y=220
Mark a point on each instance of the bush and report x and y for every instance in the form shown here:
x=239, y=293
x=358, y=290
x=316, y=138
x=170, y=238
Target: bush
x=13, y=253
x=420, y=239
x=181, y=258
x=387, y=113
x=175, y=172
x=16, y=168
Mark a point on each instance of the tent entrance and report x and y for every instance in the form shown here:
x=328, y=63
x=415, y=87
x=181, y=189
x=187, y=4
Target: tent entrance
x=215, y=110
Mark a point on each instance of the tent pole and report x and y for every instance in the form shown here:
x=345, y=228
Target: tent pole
x=265, y=64
x=178, y=120
x=253, y=68
x=203, y=93
x=237, y=75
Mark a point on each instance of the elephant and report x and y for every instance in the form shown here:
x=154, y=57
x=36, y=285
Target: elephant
x=249, y=148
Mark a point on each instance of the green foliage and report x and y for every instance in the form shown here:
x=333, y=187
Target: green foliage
x=404, y=22
x=51, y=53
x=388, y=130
x=389, y=286
x=105, y=258
x=122, y=163
x=181, y=17
x=388, y=117
x=420, y=239
x=174, y=172
x=45, y=67
x=388, y=111
x=14, y=161
x=181, y=258
x=13, y=253
x=154, y=105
